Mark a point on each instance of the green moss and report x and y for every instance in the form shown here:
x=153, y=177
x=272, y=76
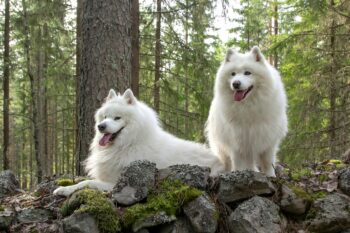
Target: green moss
x=319, y=194
x=296, y=175
x=340, y=166
x=335, y=161
x=64, y=182
x=323, y=177
x=301, y=193
x=170, y=197
x=2, y=208
x=96, y=204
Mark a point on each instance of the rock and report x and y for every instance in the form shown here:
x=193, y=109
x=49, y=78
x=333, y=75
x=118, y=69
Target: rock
x=34, y=215
x=143, y=231
x=202, y=214
x=330, y=214
x=240, y=185
x=6, y=218
x=46, y=188
x=181, y=225
x=135, y=182
x=344, y=181
x=55, y=227
x=194, y=176
x=80, y=223
x=258, y=215
x=8, y=183
x=153, y=220
x=292, y=203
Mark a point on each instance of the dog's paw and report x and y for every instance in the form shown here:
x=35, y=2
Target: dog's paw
x=63, y=191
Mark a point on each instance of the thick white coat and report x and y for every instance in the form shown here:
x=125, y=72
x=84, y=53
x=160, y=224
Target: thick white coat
x=246, y=134
x=141, y=139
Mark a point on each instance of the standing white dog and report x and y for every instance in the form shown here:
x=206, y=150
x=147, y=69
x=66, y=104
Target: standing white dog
x=128, y=130
x=247, y=118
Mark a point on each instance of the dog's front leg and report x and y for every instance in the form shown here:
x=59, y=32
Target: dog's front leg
x=267, y=161
x=243, y=161
x=93, y=184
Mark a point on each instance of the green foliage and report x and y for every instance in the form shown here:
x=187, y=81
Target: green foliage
x=169, y=197
x=96, y=204
x=297, y=174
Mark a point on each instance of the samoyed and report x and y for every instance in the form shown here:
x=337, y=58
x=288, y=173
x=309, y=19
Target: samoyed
x=129, y=130
x=247, y=118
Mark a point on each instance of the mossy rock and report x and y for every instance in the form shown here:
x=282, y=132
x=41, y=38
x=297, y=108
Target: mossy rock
x=64, y=182
x=169, y=197
x=301, y=193
x=97, y=205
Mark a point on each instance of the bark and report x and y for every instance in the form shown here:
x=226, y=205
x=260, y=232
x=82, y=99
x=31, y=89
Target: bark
x=105, y=61
x=36, y=129
x=6, y=88
x=135, y=45
x=156, y=90
x=332, y=90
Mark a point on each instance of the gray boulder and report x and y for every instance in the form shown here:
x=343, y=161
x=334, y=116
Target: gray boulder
x=202, y=214
x=135, y=182
x=34, y=215
x=293, y=203
x=330, y=214
x=181, y=225
x=80, y=223
x=55, y=227
x=6, y=218
x=153, y=220
x=240, y=185
x=8, y=183
x=194, y=176
x=258, y=215
x=344, y=181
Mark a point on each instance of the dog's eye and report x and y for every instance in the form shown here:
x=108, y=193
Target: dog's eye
x=117, y=118
x=247, y=73
x=233, y=73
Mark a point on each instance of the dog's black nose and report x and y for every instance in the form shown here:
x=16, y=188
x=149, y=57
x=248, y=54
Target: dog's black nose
x=101, y=127
x=236, y=84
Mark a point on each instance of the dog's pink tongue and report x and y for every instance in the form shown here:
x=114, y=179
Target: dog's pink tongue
x=239, y=95
x=105, y=139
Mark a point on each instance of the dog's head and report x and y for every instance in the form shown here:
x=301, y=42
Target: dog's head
x=114, y=116
x=242, y=75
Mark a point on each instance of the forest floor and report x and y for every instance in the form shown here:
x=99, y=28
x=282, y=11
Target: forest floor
x=307, y=188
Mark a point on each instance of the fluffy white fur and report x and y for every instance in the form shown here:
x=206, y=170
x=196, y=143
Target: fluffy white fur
x=246, y=133
x=140, y=138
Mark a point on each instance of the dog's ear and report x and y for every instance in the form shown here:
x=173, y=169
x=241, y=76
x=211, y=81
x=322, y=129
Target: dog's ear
x=258, y=56
x=111, y=95
x=229, y=55
x=129, y=96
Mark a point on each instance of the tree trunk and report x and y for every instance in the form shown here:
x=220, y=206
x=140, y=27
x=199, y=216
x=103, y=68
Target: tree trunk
x=6, y=87
x=105, y=61
x=156, y=91
x=275, y=24
x=135, y=45
x=36, y=130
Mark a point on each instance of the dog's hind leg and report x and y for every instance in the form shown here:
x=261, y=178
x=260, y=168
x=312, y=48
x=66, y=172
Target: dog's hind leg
x=244, y=161
x=266, y=161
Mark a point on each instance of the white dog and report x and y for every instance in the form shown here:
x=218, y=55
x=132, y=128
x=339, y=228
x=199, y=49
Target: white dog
x=247, y=118
x=128, y=130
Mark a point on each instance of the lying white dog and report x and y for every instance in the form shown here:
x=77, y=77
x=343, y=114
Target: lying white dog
x=247, y=118
x=129, y=130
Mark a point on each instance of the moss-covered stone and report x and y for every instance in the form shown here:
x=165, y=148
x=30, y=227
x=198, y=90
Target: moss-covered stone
x=301, y=193
x=169, y=197
x=96, y=204
x=64, y=182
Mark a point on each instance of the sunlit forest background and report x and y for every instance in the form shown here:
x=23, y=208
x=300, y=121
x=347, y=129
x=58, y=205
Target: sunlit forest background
x=180, y=46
